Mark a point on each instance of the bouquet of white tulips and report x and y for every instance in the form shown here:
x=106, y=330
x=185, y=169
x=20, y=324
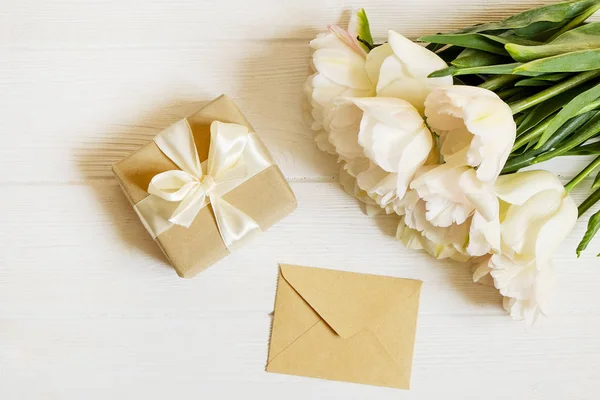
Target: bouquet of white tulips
x=445, y=154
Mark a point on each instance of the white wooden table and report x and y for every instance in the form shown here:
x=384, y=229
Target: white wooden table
x=88, y=307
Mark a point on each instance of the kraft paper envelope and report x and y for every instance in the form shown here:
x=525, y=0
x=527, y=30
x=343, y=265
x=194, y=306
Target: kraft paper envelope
x=344, y=326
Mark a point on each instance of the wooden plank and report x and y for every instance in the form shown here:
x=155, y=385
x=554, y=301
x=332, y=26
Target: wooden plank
x=223, y=357
x=71, y=114
x=158, y=23
x=63, y=248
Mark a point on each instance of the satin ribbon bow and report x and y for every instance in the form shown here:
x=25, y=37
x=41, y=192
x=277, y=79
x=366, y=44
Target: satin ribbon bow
x=235, y=155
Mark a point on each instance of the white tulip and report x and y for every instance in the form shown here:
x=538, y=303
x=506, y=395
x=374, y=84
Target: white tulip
x=350, y=185
x=526, y=285
x=537, y=214
x=452, y=194
x=342, y=69
x=404, y=73
x=475, y=126
x=379, y=185
x=392, y=144
x=415, y=240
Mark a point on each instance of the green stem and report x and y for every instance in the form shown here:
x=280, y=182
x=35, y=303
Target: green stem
x=544, y=95
x=508, y=93
x=575, y=22
x=590, y=107
x=532, y=134
x=515, y=163
x=498, y=81
x=588, y=131
x=589, y=202
x=583, y=174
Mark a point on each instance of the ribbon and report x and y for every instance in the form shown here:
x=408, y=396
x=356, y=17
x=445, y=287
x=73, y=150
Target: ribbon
x=176, y=197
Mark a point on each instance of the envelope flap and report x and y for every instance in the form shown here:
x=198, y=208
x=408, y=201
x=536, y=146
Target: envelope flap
x=348, y=301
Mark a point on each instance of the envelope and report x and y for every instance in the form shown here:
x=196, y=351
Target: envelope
x=344, y=326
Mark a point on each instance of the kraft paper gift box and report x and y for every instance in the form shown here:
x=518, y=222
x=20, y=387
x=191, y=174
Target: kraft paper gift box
x=231, y=189
x=344, y=326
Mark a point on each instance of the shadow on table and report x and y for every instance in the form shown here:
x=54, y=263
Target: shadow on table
x=95, y=160
x=274, y=78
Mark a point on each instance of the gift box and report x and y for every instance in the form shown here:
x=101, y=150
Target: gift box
x=205, y=186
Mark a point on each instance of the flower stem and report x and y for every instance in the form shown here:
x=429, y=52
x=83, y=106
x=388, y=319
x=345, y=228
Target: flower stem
x=583, y=174
x=544, y=95
x=532, y=134
x=589, y=202
x=575, y=22
x=588, y=131
x=498, y=81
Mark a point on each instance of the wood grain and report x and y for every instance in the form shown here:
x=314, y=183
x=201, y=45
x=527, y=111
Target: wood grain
x=88, y=307
x=79, y=24
x=88, y=304
x=77, y=112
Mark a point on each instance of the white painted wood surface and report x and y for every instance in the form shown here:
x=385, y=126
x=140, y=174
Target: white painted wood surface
x=88, y=307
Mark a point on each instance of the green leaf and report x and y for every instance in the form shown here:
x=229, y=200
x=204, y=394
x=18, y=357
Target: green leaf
x=450, y=53
x=434, y=47
x=516, y=162
x=565, y=131
x=556, y=77
x=583, y=38
x=548, y=107
x=552, y=91
x=588, y=131
x=543, y=80
x=443, y=72
x=589, y=203
x=585, y=150
x=592, y=229
x=359, y=28
x=532, y=134
x=532, y=82
x=505, y=39
x=502, y=69
x=570, y=110
x=498, y=82
x=576, y=22
x=508, y=93
x=596, y=183
x=477, y=58
x=576, y=61
x=467, y=40
x=583, y=175
x=538, y=20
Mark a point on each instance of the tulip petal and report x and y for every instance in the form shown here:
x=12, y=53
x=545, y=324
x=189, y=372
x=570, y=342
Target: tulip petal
x=351, y=187
x=379, y=184
x=411, y=238
x=519, y=187
x=480, y=194
x=375, y=59
x=408, y=88
x=513, y=279
x=419, y=61
x=413, y=156
x=484, y=236
x=405, y=73
x=393, y=112
x=343, y=67
x=556, y=229
x=346, y=144
x=482, y=270
x=476, y=128
x=522, y=223
x=328, y=41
